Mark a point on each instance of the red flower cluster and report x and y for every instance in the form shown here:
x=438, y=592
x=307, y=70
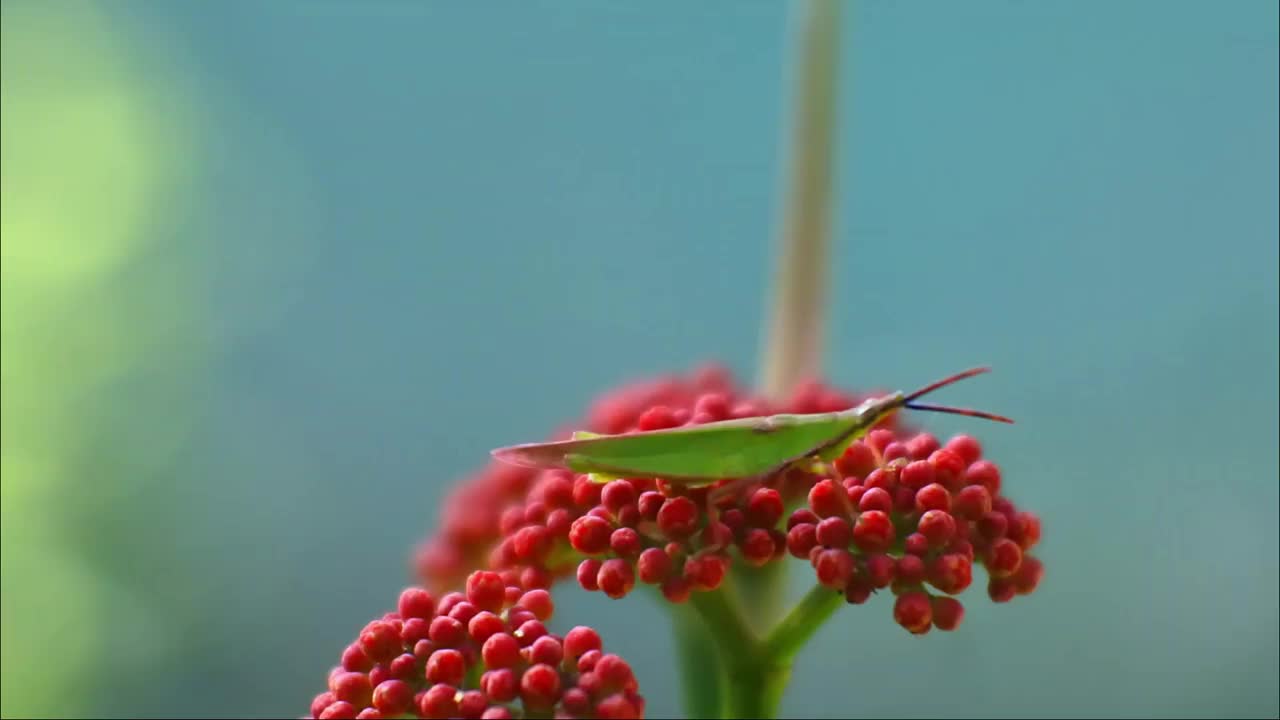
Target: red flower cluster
x=482, y=654
x=471, y=518
x=896, y=511
x=904, y=513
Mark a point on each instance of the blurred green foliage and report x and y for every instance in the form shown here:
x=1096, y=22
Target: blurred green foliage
x=89, y=166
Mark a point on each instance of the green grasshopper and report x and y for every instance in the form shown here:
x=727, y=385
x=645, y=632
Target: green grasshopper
x=745, y=449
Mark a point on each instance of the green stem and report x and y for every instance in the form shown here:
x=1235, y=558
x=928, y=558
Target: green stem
x=804, y=620
x=792, y=347
x=704, y=677
x=762, y=591
x=757, y=690
x=720, y=612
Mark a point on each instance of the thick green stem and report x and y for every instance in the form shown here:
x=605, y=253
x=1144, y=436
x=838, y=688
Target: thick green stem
x=805, y=619
x=755, y=683
x=762, y=591
x=756, y=690
x=720, y=612
x=700, y=666
x=792, y=348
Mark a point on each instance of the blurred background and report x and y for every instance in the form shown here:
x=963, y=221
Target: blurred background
x=276, y=274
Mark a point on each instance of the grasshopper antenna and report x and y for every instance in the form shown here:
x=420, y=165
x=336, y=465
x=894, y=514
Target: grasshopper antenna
x=909, y=400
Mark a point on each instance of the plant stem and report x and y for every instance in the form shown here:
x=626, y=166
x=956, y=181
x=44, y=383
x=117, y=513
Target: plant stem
x=805, y=619
x=700, y=666
x=793, y=346
x=756, y=680
x=724, y=619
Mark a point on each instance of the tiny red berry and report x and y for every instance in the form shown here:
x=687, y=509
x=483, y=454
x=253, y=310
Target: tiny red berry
x=678, y=517
x=649, y=504
x=880, y=570
x=676, y=589
x=486, y=591
x=966, y=447
x=614, y=672
x=531, y=543
x=576, y=702
x=438, y=702
x=951, y=573
x=757, y=547
x=588, y=572
x=464, y=611
x=873, y=532
x=875, y=499
x=949, y=467
x=625, y=542
x=500, y=685
x=1029, y=575
x=405, y=667
x=910, y=570
x=922, y=446
x=1024, y=529
x=393, y=697
x=586, y=492
x=1001, y=590
x=705, y=572
x=529, y=631
x=916, y=475
x=984, y=473
x=616, y=707
x=484, y=625
x=616, y=578
x=858, y=460
x=1003, y=558
x=340, y=710
x=380, y=641
x=993, y=526
x=857, y=592
x=765, y=508
x=540, y=687
x=539, y=603
x=653, y=566
x=580, y=640
x=588, y=661
x=472, y=705
x=834, y=567
x=933, y=497
x=801, y=516
x=658, y=417
x=354, y=659
x=947, y=613
x=446, y=666
x=895, y=451
x=913, y=611
x=546, y=650
x=972, y=502
x=416, y=603
x=589, y=534
x=352, y=687
x=937, y=526
x=447, y=632
x=881, y=478
x=834, y=532
x=532, y=578
x=879, y=438
x=826, y=498
x=916, y=544
x=617, y=495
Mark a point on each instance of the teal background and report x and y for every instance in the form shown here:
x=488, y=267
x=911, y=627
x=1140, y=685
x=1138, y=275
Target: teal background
x=394, y=235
